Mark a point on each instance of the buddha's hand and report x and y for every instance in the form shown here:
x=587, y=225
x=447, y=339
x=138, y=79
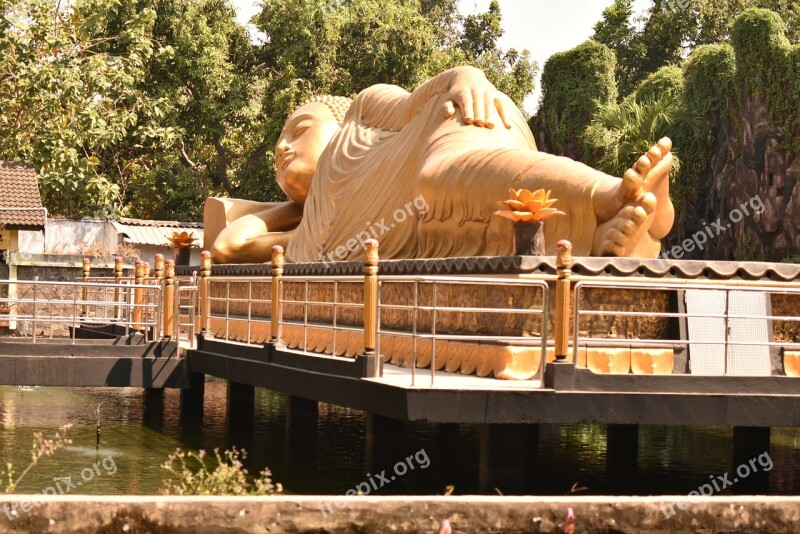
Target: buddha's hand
x=479, y=101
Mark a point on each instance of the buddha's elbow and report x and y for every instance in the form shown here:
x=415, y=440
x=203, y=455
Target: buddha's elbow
x=221, y=252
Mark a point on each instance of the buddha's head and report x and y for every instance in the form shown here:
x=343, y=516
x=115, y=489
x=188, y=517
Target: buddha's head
x=305, y=134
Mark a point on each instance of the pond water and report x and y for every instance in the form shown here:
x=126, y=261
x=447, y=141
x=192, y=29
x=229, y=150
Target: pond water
x=138, y=431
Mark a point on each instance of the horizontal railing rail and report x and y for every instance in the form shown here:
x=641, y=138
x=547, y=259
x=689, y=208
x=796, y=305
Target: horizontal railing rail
x=435, y=282
x=134, y=307
x=765, y=287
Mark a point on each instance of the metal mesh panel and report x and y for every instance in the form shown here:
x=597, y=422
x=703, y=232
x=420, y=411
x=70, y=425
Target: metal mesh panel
x=706, y=359
x=749, y=360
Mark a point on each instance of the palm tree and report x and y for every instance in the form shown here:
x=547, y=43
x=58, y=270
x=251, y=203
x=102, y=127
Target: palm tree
x=622, y=132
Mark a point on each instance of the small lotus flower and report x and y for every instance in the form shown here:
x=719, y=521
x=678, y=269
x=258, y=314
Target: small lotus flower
x=182, y=239
x=528, y=207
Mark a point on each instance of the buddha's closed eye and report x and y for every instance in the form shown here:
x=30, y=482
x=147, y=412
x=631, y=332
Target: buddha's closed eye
x=301, y=128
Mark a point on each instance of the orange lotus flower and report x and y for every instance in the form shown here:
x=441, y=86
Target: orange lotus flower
x=526, y=206
x=182, y=239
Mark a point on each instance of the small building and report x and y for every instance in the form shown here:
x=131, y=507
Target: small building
x=20, y=208
x=64, y=243
x=152, y=237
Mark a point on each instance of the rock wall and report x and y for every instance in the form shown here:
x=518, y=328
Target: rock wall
x=750, y=189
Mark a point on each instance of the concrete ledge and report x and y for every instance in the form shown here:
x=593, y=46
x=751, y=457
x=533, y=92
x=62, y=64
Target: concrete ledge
x=397, y=514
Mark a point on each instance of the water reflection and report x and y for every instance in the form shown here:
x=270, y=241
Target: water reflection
x=140, y=429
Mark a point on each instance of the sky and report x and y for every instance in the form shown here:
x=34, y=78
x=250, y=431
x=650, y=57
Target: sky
x=542, y=26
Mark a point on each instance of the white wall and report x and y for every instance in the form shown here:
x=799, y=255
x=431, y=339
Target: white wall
x=70, y=237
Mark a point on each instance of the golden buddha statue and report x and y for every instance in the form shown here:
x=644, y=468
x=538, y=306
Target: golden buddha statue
x=422, y=172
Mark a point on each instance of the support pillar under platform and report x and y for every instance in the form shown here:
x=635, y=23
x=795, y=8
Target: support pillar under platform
x=300, y=456
x=508, y=455
x=153, y=416
x=302, y=416
x=385, y=442
x=241, y=406
x=192, y=398
x=622, y=456
x=751, y=455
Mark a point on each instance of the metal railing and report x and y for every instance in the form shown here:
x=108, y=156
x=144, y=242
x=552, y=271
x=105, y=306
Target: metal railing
x=63, y=306
x=232, y=300
x=185, y=312
x=247, y=303
x=436, y=310
x=336, y=304
x=678, y=286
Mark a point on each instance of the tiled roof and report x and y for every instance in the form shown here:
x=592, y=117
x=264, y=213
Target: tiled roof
x=20, y=203
x=144, y=232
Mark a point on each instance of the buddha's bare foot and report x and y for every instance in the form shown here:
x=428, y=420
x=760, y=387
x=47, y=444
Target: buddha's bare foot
x=645, y=214
x=657, y=182
x=620, y=236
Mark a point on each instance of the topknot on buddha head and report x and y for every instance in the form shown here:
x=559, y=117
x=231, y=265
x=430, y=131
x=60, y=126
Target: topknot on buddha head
x=337, y=104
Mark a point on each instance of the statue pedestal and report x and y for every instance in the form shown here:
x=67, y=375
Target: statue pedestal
x=529, y=238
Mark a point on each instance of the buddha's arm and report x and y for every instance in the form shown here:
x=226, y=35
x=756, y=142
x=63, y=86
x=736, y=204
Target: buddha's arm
x=390, y=108
x=250, y=238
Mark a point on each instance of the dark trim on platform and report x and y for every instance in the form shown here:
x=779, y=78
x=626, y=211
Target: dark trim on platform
x=505, y=265
x=281, y=356
x=569, y=378
x=91, y=364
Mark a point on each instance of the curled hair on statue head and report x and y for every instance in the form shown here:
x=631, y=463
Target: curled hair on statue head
x=337, y=104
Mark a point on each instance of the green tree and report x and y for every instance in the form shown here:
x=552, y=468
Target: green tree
x=575, y=84
x=667, y=33
x=211, y=78
x=342, y=47
x=70, y=107
x=481, y=31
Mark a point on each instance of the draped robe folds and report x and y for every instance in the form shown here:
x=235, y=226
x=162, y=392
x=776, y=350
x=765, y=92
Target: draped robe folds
x=397, y=153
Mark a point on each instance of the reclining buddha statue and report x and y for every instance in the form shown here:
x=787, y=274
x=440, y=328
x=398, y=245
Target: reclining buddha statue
x=443, y=155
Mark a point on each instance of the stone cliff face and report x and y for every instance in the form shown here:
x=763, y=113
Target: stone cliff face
x=750, y=189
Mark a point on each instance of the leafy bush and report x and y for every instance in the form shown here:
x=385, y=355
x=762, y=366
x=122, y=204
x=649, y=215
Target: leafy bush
x=190, y=475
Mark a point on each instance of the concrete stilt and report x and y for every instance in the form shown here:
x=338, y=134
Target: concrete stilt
x=302, y=416
x=622, y=455
x=507, y=453
x=385, y=442
x=751, y=456
x=192, y=398
x=241, y=406
x=153, y=415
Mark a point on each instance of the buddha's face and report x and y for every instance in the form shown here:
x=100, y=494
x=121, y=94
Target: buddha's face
x=305, y=135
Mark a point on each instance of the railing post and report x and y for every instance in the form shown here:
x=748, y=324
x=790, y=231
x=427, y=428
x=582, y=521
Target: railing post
x=278, y=261
x=159, y=269
x=169, y=298
x=87, y=269
x=563, y=272
x=373, y=363
x=205, y=274
x=137, y=294
x=35, y=304
x=146, y=271
x=117, y=281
